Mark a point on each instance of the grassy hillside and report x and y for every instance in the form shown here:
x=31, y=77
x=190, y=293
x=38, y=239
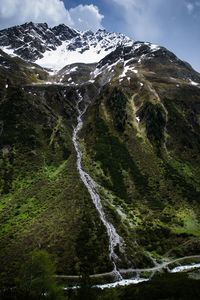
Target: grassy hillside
x=43, y=203
x=141, y=144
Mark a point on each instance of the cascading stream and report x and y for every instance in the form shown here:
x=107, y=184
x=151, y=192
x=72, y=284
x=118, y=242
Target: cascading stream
x=114, y=239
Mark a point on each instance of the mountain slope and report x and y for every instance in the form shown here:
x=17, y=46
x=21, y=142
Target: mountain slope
x=140, y=142
x=43, y=203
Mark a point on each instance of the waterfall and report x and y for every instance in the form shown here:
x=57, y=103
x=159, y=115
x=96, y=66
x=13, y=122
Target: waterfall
x=114, y=239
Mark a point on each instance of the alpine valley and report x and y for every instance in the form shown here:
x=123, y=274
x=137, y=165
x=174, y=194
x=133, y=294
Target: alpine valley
x=99, y=160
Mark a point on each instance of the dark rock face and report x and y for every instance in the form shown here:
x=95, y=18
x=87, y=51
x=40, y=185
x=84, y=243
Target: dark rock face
x=31, y=40
x=152, y=58
x=64, y=33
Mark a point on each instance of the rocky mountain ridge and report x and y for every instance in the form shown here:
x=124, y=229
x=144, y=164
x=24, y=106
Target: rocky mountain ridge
x=37, y=42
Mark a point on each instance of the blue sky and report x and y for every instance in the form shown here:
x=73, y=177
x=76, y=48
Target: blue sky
x=174, y=24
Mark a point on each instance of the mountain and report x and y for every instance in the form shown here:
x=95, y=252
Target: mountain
x=58, y=46
x=99, y=159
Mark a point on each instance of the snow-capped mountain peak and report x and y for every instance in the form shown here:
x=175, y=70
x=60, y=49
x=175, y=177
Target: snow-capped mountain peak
x=59, y=46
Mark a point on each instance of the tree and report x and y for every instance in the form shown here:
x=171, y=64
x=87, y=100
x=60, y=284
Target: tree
x=38, y=279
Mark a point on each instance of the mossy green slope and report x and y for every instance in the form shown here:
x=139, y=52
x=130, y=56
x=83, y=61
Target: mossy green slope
x=141, y=145
x=14, y=70
x=43, y=203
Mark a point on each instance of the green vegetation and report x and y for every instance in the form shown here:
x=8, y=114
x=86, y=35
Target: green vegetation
x=142, y=187
x=155, y=119
x=116, y=103
x=167, y=286
x=147, y=174
x=37, y=280
x=16, y=71
x=43, y=203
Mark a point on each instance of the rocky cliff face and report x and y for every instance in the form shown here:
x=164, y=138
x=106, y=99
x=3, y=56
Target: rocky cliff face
x=140, y=143
x=58, y=46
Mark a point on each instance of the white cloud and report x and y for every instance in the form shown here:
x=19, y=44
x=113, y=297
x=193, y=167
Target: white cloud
x=15, y=12
x=86, y=17
x=190, y=7
x=140, y=17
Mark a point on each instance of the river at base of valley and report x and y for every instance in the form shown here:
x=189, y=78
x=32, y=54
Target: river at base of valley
x=171, y=286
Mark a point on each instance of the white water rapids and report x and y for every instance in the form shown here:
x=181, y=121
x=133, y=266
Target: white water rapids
x=114, y=239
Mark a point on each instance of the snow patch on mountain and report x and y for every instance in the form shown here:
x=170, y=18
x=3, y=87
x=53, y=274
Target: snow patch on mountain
x=56, y=47
x=8, y=50
x=59, y=58
x=193, y=83
x=154, y=47
x=128, y=69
